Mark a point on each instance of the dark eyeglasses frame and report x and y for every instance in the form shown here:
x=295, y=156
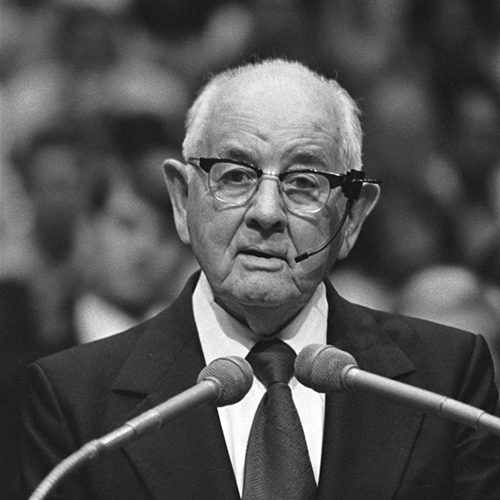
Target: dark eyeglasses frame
x=351, y=182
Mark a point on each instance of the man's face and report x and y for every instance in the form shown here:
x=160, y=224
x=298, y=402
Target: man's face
x=247, y=252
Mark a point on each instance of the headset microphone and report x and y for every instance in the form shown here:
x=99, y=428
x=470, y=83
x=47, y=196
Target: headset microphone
x=306, y=255
x=351, y=187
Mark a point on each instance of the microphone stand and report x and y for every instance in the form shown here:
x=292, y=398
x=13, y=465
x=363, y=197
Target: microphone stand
x=154, y=418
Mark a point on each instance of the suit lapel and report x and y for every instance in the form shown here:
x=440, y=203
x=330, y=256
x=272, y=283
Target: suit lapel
x=367, y=440
x=188, y=451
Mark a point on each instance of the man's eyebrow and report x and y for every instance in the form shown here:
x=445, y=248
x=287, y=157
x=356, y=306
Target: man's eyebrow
x=309, y=158
x=236, y=154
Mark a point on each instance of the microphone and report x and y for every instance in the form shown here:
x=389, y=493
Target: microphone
x=351, y=183
x=325, y=368
x=224, y=381
x=306, y=255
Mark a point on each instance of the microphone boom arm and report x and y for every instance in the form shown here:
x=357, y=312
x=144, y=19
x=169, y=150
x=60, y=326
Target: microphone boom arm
x=207, y=389
x=355, y=379
x=224, y=381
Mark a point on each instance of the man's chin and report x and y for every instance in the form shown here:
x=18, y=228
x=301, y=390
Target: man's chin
x=256, y=294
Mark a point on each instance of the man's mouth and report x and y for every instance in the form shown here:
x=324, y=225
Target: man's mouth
x=262, y=254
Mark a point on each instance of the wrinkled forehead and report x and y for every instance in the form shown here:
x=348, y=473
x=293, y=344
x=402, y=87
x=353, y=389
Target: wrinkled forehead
x=278, y=98
x=277, y=111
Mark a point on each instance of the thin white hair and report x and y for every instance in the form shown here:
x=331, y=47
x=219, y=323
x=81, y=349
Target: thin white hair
x=348, y=127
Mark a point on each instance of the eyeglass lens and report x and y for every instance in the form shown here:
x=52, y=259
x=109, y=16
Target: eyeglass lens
x=236, y=184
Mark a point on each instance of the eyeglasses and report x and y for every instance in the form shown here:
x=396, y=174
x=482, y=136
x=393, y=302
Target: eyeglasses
x=303, y=190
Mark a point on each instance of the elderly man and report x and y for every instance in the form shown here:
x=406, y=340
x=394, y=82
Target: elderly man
x=270, y=194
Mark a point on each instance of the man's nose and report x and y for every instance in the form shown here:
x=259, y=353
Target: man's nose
x=266, y=208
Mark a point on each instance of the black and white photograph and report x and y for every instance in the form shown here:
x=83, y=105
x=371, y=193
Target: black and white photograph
x=249, y=250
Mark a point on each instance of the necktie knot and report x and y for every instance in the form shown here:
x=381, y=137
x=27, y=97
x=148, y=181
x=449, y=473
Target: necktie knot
x=272, y=361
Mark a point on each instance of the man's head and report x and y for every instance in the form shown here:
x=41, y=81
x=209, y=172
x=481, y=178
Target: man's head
x=280, y=117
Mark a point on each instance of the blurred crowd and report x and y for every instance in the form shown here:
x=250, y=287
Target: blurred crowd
x=92, y=99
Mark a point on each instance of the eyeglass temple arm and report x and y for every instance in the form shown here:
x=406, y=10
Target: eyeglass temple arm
x=353, y=182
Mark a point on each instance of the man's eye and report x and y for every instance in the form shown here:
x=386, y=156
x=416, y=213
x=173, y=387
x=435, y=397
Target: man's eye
x=302, y=181
x=236, y=176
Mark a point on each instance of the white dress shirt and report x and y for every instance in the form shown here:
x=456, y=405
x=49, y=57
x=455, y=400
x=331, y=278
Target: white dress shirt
x=222, y=335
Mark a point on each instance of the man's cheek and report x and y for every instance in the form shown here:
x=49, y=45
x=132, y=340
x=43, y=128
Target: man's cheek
x=208, y=242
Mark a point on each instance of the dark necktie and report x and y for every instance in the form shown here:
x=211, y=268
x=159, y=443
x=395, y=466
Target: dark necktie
x=277, y=464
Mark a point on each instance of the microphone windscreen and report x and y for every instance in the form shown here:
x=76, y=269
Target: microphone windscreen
x=321, y=367
x=233, y=375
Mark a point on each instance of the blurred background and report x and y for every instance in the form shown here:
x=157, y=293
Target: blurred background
x=92, y=99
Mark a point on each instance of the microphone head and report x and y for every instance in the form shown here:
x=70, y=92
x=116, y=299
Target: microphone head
x=233, y=376
x=322, y=367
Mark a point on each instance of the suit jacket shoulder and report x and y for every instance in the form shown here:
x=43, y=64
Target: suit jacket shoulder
x=385, y=449
x=87, y=391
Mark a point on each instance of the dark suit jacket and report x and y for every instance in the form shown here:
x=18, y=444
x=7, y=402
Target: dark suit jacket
x=373, y=449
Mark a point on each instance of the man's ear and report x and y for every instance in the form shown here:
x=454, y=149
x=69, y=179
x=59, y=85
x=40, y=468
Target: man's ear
x=358, y=212
x=176, y=179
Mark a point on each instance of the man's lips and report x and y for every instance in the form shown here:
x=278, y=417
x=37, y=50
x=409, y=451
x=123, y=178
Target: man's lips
x=263, y=253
